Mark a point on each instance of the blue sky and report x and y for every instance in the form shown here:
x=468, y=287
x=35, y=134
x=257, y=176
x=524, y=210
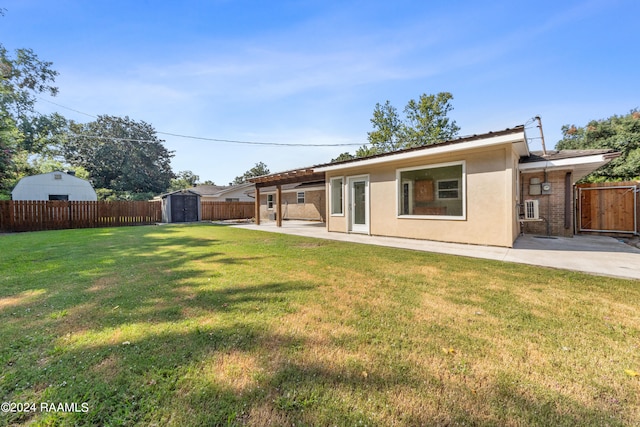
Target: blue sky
x=311, y=72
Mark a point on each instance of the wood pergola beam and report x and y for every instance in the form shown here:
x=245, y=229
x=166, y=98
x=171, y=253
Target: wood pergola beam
x=291, y=177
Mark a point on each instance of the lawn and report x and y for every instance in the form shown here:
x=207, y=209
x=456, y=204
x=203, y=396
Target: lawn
x=212, y=325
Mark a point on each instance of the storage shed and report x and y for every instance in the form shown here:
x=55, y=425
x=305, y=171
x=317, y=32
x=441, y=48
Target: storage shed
x=54, y=186
x=181, y=206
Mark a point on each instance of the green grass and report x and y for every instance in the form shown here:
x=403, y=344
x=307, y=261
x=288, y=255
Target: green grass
x=211, y=325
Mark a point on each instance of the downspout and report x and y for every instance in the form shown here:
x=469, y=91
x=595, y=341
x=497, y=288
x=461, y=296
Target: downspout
x=568, y=191
x=546, y=179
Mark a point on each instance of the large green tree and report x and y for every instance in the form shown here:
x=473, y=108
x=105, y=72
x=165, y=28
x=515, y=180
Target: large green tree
x=425, y=122
x=23, y=132
x=184, y=179
x=121, y=155
x=620, y=133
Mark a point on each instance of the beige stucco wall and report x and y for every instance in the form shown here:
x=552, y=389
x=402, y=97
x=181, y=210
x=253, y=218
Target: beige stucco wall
x=491, y=198
x=312, y=209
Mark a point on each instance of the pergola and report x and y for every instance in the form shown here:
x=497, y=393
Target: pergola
x=278, y=180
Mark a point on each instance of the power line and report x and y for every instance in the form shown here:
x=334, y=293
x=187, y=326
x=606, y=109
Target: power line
x=200, y=138
x=284, y=144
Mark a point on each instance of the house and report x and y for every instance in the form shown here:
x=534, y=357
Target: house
x=550, y=178
x=300, y=200
x=55, y=185
x=297, y=194
x=232, y=193
x=481, y=189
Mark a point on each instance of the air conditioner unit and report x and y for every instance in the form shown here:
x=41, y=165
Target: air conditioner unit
x=531, y=210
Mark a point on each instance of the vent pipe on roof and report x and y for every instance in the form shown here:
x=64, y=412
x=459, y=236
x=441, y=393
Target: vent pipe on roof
x=544, y=149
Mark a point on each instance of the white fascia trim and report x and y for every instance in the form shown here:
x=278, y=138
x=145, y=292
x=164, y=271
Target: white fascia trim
x=451, y=148
x=596, y=160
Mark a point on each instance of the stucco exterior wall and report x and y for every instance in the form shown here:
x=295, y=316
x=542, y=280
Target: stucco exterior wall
x=491, y=199
x=313, y=209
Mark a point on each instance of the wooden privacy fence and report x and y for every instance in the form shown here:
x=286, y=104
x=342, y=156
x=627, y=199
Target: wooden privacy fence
x=608, y=207
x=56, y=215
x=215, y=211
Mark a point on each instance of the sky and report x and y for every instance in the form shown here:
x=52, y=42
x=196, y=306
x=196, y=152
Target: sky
x=310, y=72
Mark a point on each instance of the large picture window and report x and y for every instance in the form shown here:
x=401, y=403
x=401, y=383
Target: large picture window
x=337, y=196
x=433, y=191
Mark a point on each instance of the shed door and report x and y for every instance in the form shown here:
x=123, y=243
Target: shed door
x=184, y=208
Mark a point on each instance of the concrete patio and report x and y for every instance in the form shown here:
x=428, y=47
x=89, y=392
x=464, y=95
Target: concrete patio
x=599, y=255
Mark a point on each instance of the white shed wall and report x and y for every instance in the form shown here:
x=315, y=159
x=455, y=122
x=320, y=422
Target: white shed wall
x=40, y=187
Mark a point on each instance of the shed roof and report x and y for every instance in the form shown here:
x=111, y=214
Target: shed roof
x=183, y=191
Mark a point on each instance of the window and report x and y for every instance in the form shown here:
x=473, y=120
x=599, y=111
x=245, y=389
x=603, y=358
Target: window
x=58, y=197
x=300, y=197
x=336, y=196
x=232, y=199
x=57, y=176
x=448, y=189
x=269, y=201
x=433, y=191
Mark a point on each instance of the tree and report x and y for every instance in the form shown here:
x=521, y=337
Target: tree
x=23, y=132
x=120, y=154
x=343, y=157
x=425, y=123
x=620, y=133
x=258, y=170
x=389, y=133
x=184, y=179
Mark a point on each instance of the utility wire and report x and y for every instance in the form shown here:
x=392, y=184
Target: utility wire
x=230, y=141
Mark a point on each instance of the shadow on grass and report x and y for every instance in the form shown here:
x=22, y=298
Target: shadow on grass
x=135, y=329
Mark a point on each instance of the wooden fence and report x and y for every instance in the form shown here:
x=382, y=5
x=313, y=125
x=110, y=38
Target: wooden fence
x=56, y=215
x=608, y=207
x=215, y=211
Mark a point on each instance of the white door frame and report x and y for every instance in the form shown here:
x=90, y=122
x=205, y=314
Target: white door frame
x=352, y=227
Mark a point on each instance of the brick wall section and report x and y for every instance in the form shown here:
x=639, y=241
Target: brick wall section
x=551, y=205
x=313, y=208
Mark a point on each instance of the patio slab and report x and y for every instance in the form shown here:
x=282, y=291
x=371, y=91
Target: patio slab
x=599, y=255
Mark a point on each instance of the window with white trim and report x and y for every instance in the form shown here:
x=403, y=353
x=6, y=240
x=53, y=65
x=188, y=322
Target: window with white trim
x=448, y=189
x=300, y=197
x=432, y=191
x=269, y=201
x=337, y=196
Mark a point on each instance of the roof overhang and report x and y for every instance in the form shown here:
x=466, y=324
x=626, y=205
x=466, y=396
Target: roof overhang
x=272, y=189
x=288, y=177
x=516, y=137
x=579, y=166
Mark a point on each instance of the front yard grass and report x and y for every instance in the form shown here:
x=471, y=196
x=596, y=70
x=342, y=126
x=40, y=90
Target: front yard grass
x=212, y=325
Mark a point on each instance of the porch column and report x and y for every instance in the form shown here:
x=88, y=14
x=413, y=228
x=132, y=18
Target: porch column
x=278, y=205
x=257, y=205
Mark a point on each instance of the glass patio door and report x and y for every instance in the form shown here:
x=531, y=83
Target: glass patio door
x=359, y=204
